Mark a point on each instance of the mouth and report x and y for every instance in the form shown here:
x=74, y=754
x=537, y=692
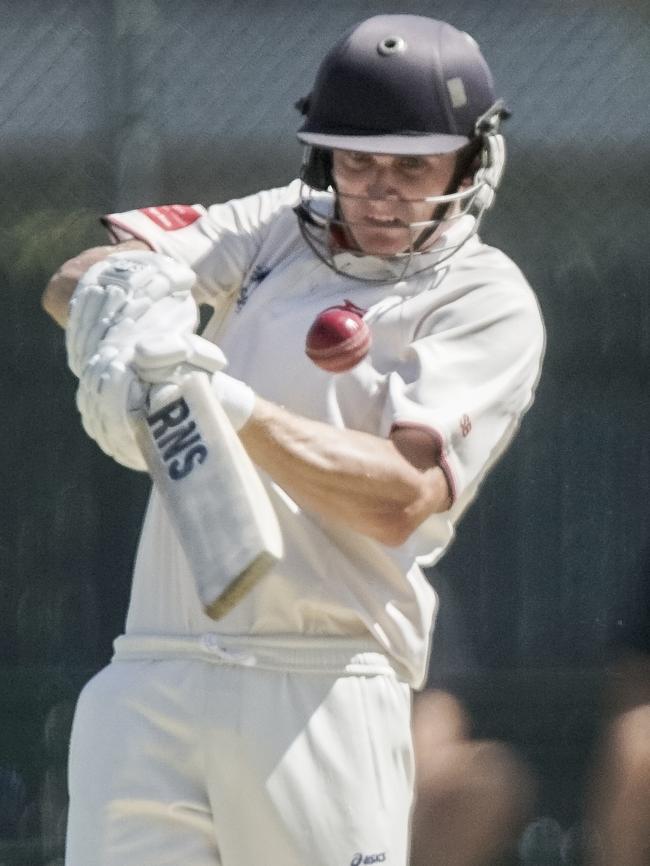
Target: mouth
x=384, y=222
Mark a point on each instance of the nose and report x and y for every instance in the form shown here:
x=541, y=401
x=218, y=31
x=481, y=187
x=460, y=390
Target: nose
x=380, y=182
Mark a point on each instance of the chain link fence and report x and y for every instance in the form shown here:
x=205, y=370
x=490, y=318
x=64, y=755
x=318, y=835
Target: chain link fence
x=111, y=104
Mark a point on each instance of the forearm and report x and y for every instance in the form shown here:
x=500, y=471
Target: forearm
x=59, y=290
x=347, y=476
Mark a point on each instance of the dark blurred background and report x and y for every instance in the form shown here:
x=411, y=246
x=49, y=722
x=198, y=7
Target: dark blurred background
x=111, y=104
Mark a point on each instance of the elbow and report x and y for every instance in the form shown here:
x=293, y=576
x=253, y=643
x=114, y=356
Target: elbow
x=394, y=528
x=395, y=524
x=391, y=535
x=59, y=290
x=53, y=305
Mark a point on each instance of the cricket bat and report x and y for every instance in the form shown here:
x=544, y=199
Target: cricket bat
x=216, y=500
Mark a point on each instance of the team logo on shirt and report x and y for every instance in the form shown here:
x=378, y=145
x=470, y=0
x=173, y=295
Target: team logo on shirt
x=465, y=425
x=171, y=217
x=259, y=274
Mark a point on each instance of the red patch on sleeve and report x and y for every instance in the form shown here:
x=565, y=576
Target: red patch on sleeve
x=171, y=216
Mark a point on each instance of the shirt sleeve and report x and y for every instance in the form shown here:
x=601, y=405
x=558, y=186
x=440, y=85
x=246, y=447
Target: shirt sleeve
x=219, y=243
x=468, y=377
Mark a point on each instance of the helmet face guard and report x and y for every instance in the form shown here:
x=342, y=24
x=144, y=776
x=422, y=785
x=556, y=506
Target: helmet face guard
x=329, y=236
x=401, y=85
x=455, y=216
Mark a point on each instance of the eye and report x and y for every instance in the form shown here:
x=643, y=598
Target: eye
x=412, y=164
x=355, y=160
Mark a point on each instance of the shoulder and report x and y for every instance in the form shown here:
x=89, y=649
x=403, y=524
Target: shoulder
x=168, y=228
x=254, y=213
x=482, y=307
x=480, y=265
x=484, y=283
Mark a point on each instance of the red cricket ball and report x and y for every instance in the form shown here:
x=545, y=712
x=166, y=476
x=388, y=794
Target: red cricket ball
x=339, y=338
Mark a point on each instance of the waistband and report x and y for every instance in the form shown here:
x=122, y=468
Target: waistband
x=340, y=656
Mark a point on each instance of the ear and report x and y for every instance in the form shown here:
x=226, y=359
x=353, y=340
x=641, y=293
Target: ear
x=471, y=170
x=317, y=168
x=469, y=162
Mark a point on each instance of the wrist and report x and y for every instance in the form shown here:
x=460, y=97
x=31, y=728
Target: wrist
x=236, y=397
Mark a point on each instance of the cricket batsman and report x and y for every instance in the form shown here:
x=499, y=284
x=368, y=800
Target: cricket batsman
x=379, y=359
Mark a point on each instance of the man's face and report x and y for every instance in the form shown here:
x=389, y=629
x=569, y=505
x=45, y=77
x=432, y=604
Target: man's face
x=380, y=195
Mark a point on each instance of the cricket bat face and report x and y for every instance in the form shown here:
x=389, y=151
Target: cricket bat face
x=215, y=499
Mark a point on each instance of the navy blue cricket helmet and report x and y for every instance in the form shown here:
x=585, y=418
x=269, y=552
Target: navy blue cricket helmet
x=404, y=84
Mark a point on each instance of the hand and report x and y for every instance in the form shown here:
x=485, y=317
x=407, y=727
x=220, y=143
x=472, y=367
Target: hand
x=111, y=389
x=109, y=393
x=124, y=297
x=168, y=358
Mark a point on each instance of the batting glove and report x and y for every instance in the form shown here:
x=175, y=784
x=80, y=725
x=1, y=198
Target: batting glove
x=109, y=393
x=168, y=358
x=126, y=296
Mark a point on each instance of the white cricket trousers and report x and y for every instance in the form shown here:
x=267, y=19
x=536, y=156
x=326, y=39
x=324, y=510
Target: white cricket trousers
x=220, y=751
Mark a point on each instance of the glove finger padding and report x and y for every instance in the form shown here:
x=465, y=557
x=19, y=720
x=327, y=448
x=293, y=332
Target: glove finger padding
x=109, y=392
x=125, y=296
x=168, y=357
x=91, y=314
x=141, y=272
x=175, y=314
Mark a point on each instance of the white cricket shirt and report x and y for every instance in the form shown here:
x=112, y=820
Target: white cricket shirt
x=456, y=351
